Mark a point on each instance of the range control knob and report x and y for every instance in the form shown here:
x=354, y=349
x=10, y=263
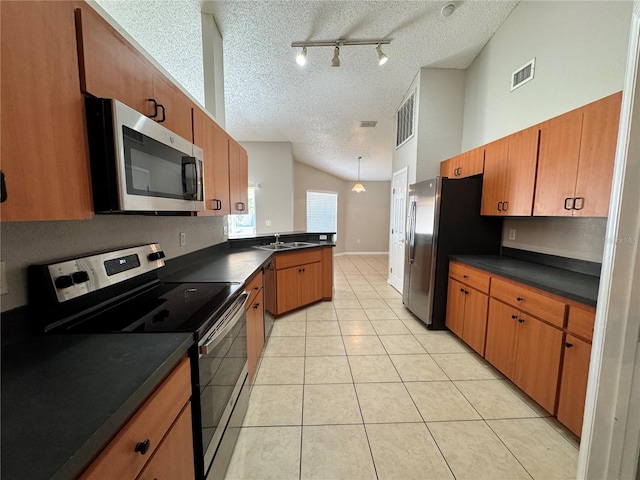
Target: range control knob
x=64, y=281
x=156, y=256
x=80, y=277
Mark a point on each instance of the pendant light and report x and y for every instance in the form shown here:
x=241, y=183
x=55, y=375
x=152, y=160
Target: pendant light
x=358, y=187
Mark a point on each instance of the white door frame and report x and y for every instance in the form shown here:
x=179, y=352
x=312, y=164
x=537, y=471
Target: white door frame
x=402, y=171
x=611, y=428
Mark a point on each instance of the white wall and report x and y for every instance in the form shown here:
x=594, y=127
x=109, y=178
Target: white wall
x=580, y=49
x=170, y=31
x=213, y=69
x=271, y=166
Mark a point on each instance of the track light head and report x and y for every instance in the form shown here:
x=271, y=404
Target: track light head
x=382, y=58
x=301, y=58
x=448, y=9
x=335, y=61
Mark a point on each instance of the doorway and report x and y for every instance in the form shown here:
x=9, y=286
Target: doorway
x=396, y=240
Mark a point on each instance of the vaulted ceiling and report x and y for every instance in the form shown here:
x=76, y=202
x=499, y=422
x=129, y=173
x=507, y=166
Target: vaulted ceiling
x=318, y=108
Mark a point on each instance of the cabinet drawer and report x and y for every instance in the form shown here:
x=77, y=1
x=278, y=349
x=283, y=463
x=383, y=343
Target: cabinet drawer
x=546, y=308
x=151, y=422
x=292, y=259
x=470, y=276
x=253, y=286
x=580, y=322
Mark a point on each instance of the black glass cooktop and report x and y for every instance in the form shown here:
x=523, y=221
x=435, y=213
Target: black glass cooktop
x=166, y=307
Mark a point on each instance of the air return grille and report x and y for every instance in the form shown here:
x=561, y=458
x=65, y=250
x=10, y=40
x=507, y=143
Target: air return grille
x=404, y=125
x=523, y=74
x=368, y=123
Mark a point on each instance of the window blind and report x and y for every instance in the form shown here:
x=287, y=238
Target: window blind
x=322, y=211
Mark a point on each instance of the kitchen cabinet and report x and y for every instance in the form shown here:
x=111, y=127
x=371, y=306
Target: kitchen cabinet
x=44, y=145
x=510, y=174
x=157, y=433
x=575, y=164
x=526, y=350
x=298, y=278
x=464, y=165
x=238, y=178
x=467, y=303
x=110, y=67
x=255, y=323
x=215, y=144
x=575, y=368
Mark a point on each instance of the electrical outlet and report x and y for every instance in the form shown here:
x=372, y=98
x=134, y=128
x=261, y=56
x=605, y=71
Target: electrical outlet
x=512, y=234
x=225, y=230
x=267, y=223
x=4, y=287
x=183, y=239
x=322, y=237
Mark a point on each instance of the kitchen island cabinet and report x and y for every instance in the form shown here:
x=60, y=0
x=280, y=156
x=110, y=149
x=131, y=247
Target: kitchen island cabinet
x=44, y=146
x=575, y=163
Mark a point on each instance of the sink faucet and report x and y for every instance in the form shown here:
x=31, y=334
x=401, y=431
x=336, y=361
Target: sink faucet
x=277, y=242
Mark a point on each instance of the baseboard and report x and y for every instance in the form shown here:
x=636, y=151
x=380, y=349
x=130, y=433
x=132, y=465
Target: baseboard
x=360, y=253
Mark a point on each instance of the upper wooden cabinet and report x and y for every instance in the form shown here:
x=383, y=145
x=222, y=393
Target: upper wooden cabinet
x=510, y=174
x=110, y=67
x=464, y=165
x=215, y=143
x=238, y=178
x=44, y=146
x=575, y=163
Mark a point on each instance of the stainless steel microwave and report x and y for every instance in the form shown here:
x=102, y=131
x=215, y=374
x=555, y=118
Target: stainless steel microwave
x=137, y=165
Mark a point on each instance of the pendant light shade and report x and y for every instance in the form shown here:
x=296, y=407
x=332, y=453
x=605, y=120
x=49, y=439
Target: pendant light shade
x=358, y=187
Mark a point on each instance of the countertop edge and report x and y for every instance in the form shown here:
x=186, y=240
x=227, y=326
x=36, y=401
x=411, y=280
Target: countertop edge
x=76, y=464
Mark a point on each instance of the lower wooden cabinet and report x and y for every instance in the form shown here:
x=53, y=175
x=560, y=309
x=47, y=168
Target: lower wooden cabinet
x=255, y=323
x=573, y=385
x=157, y=433
x=298, y=278
x=467, y=314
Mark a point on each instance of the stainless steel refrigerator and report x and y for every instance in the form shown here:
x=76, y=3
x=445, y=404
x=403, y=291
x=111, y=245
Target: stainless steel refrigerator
x=443, y=219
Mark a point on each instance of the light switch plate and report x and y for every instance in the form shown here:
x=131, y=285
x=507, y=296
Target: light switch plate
x=512, y=234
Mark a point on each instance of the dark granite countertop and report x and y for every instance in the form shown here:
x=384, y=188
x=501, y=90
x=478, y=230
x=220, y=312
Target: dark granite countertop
x=580, y=287
x=65, y=396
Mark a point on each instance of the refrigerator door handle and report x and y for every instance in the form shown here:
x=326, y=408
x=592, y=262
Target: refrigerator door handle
x=412, y=231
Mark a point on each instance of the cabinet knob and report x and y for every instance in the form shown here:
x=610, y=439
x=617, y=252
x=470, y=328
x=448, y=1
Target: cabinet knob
x=143, y=447
x=521, y=320
x=465, y=276
x=462, y=290
x=519, y=299
x=515, y=317
x=256, y=306
x=568, y=345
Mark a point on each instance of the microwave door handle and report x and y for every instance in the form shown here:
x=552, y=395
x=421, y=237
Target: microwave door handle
x=190, y=184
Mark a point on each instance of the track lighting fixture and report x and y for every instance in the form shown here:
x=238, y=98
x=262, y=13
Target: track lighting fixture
x=382, y=58
x=301, y=58
x=335, y=61
x=448, y=9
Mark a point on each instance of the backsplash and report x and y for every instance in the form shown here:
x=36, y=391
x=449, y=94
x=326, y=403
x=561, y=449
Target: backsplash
x=579, y=238
x=26, y=243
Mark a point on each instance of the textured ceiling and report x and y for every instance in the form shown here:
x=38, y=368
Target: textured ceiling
x=318, y=108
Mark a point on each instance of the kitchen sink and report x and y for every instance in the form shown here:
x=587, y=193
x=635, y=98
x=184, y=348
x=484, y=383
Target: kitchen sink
x=300, y=244
x=286, y=245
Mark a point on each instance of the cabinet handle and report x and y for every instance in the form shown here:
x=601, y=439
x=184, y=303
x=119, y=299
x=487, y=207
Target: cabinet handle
x=143, y=447
x=3, y=188
x=256, y=306
x=155, y=107
x=465, y=276
x=568, y=345
x=217, y=204
x=256, y=288
x=163, y=116
x=515, y=317
x=466, y=292
x=569, y=203
x=499, y=206
x=521, y=320
x=240, y=206
x=462, y=290
x=519, y=299
x=575, y=203
x=505, y=206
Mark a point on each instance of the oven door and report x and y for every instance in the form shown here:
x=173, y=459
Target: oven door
x=222, y=374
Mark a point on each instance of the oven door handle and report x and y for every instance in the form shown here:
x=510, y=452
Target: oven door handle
x=228, y=321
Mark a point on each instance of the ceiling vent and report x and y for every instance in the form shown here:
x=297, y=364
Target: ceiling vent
x=523, y=74
x=404, y=121
x=368, y=123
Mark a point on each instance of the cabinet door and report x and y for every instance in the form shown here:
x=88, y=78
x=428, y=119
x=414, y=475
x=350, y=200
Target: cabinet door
x=502, y=337
x=174, y=458
x=44, y=146
x=238, y=178
x=177, y=107
x=327, y=273
x=538, y=360
x=288, y=289
x=311, y=284
x=521, y=172
x=475, y=319
x=446, y=169
x=455, y=307
x=255, y=332
x=494, y=179
x=573, y=385
x=270, y=288
x=472, y=163
x=597, y=152
x=110, y=67
x=213, y=140
x=558, y=164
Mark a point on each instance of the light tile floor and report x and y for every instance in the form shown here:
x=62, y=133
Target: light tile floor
x=358, y=388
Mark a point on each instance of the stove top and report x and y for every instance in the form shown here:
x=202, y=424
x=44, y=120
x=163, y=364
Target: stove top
x=166, y=307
